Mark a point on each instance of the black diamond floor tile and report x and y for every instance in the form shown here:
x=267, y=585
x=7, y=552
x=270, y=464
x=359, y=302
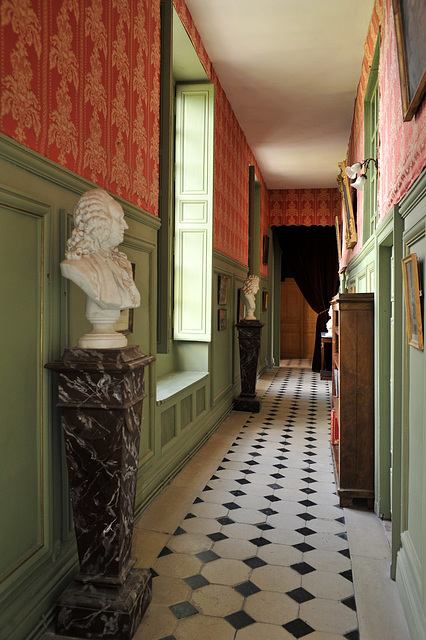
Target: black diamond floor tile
x=348, y=575
x=298, y=628
x=183, y=610
x=231, y=506
x=179, y=531
x=239, y=619
x=207, y=556
x=352, y=635
x=303, y=546
x=254, y=562
x=302, y=567
x=306, y=516
x=268, y=511
x=350, y=602
x=247, y=588
x=259, y=542
x=305, y=531
x=300, y=595
x=217, y=536
x=196, y=581
x=307, y=503
x=225, y=520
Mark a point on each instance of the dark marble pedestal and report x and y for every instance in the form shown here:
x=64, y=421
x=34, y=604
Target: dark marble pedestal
x=249, y=334
x=101, y=392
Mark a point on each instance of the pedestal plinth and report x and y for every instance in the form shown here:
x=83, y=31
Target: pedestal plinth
x=101, y=392
x=249, y=334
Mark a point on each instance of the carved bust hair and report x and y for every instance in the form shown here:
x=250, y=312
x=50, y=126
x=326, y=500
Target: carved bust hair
x=92, y=222
x=251, y=285
x=92, y=259
x=249, y=290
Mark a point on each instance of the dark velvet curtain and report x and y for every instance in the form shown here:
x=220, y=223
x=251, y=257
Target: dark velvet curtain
x=310, y=254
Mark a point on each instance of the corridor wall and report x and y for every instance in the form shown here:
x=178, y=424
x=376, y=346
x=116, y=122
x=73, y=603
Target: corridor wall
x=374, y=264
x=80, y=108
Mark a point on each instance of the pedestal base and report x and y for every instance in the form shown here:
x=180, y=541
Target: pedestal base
x=89, y=611
x=247, y=403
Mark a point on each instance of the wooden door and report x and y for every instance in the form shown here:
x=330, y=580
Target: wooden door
x=297, y=323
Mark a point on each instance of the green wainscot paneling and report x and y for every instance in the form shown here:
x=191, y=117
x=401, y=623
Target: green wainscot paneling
x=21, y=437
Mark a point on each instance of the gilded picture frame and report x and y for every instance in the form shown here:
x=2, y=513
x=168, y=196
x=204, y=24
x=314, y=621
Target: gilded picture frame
x=221, y=319
x=413, y=308
x=410, y=28
x=345, y=191
x=338, y=238
x=222, y=289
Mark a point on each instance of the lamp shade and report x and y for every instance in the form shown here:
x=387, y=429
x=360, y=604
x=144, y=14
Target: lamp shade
x=353, y=170
x=360, y=182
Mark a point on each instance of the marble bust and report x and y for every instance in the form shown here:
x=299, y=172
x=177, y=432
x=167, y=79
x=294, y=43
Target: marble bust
x=93, y=263
x=249, y=290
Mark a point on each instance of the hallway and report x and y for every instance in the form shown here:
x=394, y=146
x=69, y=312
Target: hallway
x=248, y=542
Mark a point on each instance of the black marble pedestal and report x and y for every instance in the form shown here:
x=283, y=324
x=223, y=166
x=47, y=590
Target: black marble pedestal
x=101, y=392
x=249, y=334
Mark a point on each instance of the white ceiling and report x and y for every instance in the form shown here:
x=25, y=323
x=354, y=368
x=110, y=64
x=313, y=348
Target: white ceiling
x=290, y=69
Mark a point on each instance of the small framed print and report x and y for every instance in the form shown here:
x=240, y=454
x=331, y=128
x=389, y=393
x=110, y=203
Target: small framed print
x=265, y=258
x=240, y=306
x=413, y=307
x=264, y=301
x=221, y=320
x=124, y=323
x=222, y=289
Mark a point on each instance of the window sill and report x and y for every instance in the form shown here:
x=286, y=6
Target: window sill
x=173, y=383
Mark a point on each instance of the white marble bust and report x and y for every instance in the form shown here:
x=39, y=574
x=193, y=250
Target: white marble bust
x=93, y=263
x=249, y=290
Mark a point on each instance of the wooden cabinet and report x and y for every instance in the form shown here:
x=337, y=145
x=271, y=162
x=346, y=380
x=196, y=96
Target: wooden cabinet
x=353, y=395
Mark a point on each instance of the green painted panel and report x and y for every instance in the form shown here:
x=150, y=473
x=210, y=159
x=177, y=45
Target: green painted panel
x=168, y=425
x=20, y=433
x=200, y=400
x=185, y=411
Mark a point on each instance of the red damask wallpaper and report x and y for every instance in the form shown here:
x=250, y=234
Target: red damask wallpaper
x=304, y=207
x=80, y=85
x=402, y=145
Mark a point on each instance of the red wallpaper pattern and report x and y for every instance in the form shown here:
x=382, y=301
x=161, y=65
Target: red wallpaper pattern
x=304, y=207
x=401, y=144
x=80, y=85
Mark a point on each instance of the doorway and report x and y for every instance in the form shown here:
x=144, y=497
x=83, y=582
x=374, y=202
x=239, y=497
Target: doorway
x=297, y=323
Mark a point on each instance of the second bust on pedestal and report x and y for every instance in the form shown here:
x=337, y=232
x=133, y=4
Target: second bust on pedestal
x=93, y=262
x=249, y=290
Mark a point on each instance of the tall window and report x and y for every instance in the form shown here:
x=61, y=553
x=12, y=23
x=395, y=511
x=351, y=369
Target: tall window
x=371, y=144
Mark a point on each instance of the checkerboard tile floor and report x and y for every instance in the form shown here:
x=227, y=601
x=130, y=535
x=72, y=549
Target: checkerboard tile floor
x=262, y=552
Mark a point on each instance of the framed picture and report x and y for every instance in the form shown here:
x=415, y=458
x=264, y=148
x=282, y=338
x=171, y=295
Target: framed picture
x=265, y=249
x=410, y=27
x=124, y=323
x=240, y=306
x=264, y=301
x=221, y=319
x=222, y=289
x=413, y=309
x=345, y=192
x=338, y=238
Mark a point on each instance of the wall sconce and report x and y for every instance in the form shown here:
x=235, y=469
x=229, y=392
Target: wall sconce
x=352, y=171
